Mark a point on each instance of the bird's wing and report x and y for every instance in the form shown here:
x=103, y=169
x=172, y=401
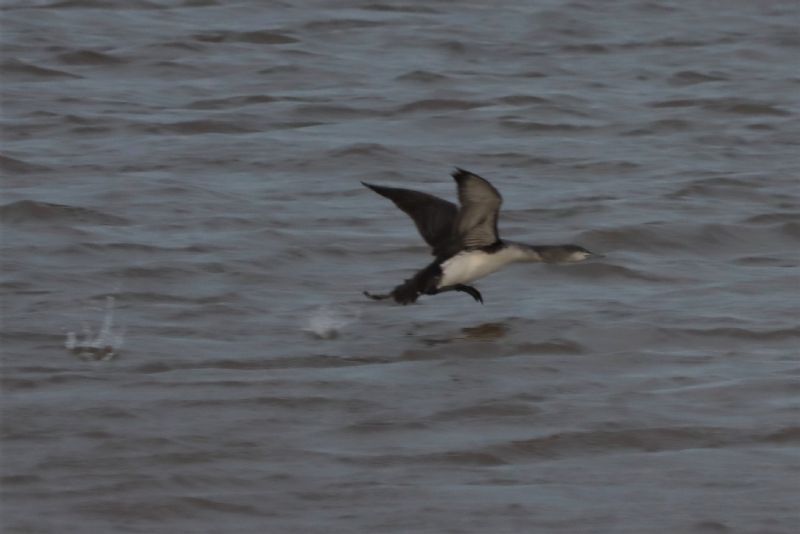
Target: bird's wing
x=434, y=217
x=480, y=205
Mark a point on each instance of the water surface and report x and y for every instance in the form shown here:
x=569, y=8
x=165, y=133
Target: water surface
x=188, y=172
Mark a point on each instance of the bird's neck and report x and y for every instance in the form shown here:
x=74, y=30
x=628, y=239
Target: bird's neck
x=524, y=252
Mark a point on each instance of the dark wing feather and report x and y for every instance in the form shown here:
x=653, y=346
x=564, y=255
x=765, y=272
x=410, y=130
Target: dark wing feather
x=434, y=217
x=480, y=205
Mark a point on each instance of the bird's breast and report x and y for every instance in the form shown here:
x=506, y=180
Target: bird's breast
x=467, y=266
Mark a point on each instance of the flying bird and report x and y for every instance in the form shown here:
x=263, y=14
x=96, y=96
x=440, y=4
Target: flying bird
x=464, y=240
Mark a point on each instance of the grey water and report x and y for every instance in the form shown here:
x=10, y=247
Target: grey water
x=185, y=239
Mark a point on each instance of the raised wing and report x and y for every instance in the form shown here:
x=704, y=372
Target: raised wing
x=434, y=217
x=480, y=203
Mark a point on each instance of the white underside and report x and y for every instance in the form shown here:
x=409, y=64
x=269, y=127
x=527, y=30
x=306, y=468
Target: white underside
x=466, y=267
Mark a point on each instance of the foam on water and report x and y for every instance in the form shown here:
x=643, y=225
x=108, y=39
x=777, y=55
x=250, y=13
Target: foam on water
x=103, y=345
x=327, y=321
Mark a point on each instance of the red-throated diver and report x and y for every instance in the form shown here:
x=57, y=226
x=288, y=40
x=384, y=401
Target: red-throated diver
x=465, y=241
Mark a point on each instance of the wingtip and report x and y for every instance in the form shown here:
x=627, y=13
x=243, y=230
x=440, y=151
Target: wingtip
x=459, y=173
x=381, y=190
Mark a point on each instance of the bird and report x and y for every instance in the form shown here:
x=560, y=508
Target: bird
x=464, y=240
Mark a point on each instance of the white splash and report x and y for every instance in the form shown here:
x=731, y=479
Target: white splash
x=104, y=345
x=326, y=322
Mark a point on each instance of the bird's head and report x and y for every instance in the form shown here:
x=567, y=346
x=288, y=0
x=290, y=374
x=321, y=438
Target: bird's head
x=576, y=253
x=564, y=253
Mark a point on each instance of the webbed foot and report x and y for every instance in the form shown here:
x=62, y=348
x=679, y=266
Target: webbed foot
x=474, y=293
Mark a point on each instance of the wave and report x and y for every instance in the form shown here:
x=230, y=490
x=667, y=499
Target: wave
x=733, y=105
x=407, y=8
x=17, y=70
x=691, y=77
x=523, y=100
x=489, y=410
x=253, y=37
x=553, y=346
x=590, y=443
x=687, y=237
x=662, y=126
x=534, y=126
x=516, y=159
x=343, y=24
x=330, y=111
x=231, y=102
x=647, y=439
x=168, y=509
x=19, y=480
x=301, y=362
x=612, y=166
x=17, y=166
x=440, y=104
x=137, y=248
x=764, y=261
x=102, y=4
x=632, y=238
x=422, y=76
x=88, y=57
x=587, y=48
x=716, y=187
x=201, y=126
x=153, y=272
x=791, y=229
x=361, y=149
x=671, y=42
x=31, y=211
x=773, y=218
x=604, y=271
x=728, y=333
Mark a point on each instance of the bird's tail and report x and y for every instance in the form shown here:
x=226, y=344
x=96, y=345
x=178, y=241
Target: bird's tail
x=407, y=293
x=424, y=282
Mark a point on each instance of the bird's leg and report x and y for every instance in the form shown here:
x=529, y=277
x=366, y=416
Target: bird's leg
x=474, y=293
x=373, y=296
